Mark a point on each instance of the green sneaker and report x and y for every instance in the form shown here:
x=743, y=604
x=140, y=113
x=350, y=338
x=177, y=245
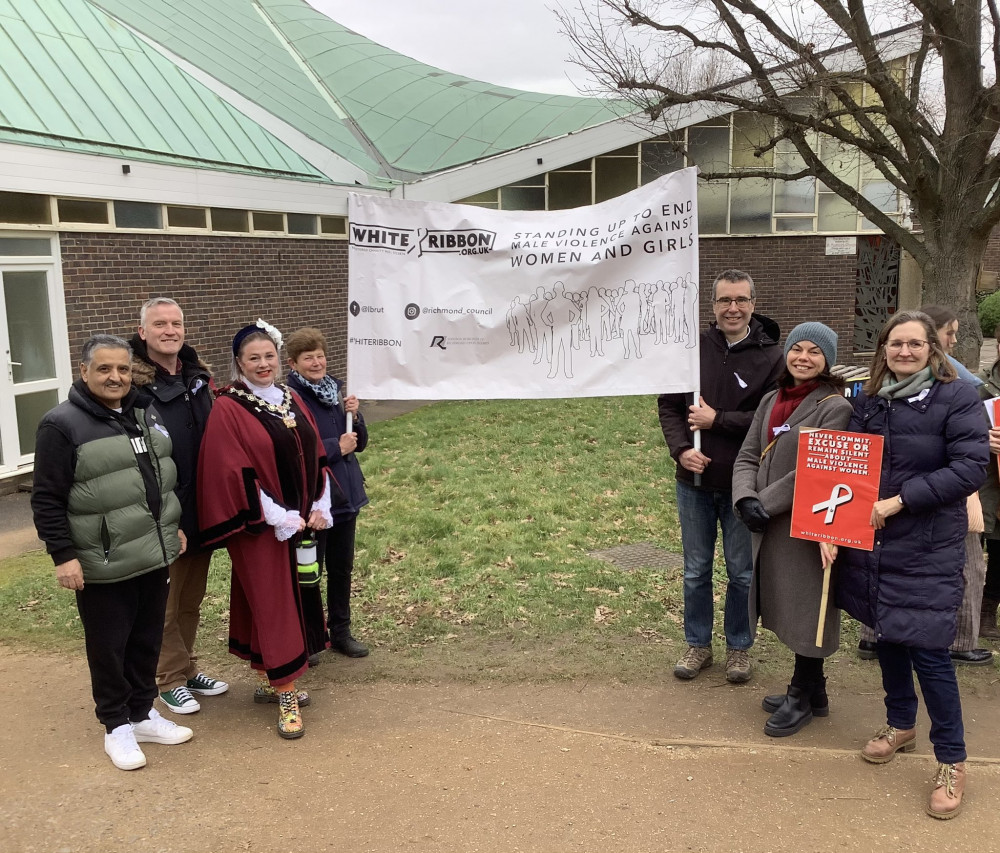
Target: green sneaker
x=180, y=701
x=205, y=686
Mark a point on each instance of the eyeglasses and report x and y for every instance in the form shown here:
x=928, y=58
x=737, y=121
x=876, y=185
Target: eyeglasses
x=912, y=346
x=726, y=301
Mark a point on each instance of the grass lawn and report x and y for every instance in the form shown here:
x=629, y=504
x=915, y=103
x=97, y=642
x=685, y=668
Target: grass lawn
x=472, y=558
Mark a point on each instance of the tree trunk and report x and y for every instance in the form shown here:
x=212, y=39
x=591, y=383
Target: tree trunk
x=950, y=275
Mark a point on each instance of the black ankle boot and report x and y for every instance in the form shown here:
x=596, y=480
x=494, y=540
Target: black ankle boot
x=794, y=713
x=818, y=700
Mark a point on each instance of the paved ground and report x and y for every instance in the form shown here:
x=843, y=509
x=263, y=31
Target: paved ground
x=671, y=766
x=452, y=767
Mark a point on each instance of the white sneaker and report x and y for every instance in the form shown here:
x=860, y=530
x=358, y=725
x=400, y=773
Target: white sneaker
x=158, y=729
x=121, y=747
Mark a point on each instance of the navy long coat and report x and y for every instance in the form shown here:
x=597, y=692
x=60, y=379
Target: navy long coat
x=910, y=586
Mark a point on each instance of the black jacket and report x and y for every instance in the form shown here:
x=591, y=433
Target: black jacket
x=733, y=382
x=184, y=404
x=332, y=423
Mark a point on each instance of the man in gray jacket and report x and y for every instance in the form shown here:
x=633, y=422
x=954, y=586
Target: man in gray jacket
x=104, y=506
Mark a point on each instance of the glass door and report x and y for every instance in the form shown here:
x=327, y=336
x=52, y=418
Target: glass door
x=34, y=363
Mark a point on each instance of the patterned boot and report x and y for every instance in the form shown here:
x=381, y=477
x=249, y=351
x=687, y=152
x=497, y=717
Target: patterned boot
x=289, y=716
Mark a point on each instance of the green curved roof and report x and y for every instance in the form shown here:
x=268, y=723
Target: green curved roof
x=79, y=72
x=71, y=77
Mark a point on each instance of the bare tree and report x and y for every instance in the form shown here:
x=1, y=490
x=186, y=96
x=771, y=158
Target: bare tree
x=912, y=99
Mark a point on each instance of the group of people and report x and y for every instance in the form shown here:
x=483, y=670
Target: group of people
x=148, y=466
x=910, y=588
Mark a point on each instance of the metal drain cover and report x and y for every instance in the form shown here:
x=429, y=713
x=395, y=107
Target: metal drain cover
x=642, y=555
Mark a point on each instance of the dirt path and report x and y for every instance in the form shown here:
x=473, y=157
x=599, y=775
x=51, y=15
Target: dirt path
x=452, y=767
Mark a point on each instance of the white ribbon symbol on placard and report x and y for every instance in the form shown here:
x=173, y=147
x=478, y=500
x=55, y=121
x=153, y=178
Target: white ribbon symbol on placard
x=841, y=494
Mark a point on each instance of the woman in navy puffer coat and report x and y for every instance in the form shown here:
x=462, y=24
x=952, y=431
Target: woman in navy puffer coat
x=909, y=587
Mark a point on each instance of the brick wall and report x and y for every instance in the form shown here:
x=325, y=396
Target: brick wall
x=795, y=280
x=222, y=283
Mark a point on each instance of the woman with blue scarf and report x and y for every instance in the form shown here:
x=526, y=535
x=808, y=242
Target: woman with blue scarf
x=323, y=395
x=909, y=586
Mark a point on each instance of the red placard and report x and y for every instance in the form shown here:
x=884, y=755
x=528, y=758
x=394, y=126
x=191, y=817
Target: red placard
x=836, y=483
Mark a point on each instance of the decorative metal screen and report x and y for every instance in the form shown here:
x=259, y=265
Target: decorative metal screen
x=876, y=292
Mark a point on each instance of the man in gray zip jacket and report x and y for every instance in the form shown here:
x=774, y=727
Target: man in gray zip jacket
x=104, y=506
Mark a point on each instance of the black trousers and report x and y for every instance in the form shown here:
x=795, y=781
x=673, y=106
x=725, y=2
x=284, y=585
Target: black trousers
x=992, y=587
x=335, y=554
x=123, y=629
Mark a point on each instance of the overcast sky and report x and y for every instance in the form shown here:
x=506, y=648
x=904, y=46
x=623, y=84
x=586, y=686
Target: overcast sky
x=512, y=43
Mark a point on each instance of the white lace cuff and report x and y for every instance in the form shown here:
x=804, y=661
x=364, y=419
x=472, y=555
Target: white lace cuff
x=323, y=504
x=284, y=521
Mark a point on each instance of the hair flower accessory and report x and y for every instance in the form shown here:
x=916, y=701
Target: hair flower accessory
x=271, y=331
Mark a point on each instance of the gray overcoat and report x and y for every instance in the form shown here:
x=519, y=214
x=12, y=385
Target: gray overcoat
x=788, y=576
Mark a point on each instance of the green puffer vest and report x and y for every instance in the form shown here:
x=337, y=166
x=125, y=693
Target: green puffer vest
x=112, y=526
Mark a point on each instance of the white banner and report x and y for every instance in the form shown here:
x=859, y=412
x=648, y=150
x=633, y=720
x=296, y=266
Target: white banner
x=453, y=302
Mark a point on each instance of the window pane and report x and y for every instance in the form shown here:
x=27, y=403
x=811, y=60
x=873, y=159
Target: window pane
x=713, y=203
x=74, y=210
x=25, y=247
x=614, y=177
x=187, y=217
x=301, y=223
x=795, y=196
x=882, y=194
x=627, y=151
x=798, y=223
x=227, y=219
x=25, y=209
x=26, y=298
x=750, y=208
x=659, y=158
x=522, y=198
x=486, y=199
x=534, y=181
x=268, y=221
x=333, y=225
x=582, y=166
x=30, y=409
x=569, y=189
x=708, y=147
x=751, y=131
x=137, y=214
x=836, y=213
x=840, y=159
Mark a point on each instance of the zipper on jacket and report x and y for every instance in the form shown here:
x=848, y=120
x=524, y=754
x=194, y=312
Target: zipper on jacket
x=105, y=540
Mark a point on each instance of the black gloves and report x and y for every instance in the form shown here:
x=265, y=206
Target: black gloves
x=752, y=513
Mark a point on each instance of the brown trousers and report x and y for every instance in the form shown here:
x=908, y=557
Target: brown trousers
x=188, y=578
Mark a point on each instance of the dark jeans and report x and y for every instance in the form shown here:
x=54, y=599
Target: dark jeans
x=123, y=628
x=337, y=558
x=335, y=553
x=939, y=687
x=701, y=513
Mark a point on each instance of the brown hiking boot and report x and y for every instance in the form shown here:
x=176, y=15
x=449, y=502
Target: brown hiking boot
x=737, y=666
x=695, y=659
x=887, y=742
x=949, y=786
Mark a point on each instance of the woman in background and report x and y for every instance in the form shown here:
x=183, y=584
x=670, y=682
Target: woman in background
x=324, y=395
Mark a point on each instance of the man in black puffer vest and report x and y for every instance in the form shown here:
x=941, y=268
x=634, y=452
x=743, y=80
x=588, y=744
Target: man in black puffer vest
x=104, y=506
x=168, y=374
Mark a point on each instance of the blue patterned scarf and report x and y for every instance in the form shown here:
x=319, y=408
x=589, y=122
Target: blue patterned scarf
x=325, y=390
